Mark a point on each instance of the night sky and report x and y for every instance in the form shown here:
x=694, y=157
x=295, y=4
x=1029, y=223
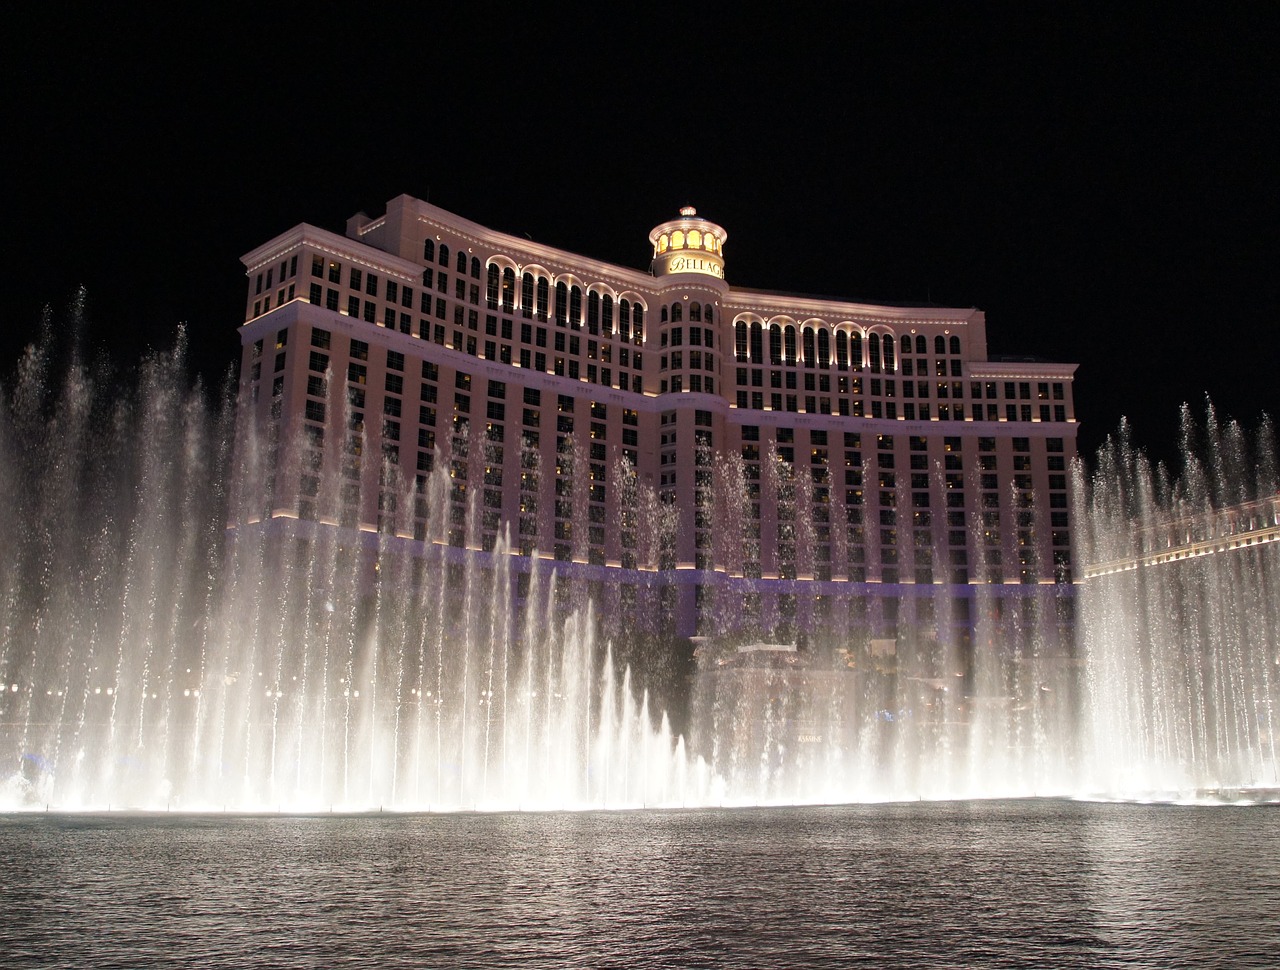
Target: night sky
x=1105, y=189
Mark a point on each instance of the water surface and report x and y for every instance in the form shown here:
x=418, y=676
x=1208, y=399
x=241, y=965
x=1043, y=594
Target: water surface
x=979, y=884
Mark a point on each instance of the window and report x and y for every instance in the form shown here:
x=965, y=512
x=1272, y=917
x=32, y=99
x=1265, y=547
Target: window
x=562, y=303
x=491, y=287
x=542, y=300
x=508, y=289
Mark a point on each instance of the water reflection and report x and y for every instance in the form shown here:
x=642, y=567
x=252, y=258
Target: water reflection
x=989, y=884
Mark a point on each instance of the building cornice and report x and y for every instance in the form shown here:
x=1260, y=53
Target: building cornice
x=805, y=307
x=524, y=251
x=323, y=240
x=1027, y=370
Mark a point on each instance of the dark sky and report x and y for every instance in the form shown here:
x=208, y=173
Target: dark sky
x=1102, y=184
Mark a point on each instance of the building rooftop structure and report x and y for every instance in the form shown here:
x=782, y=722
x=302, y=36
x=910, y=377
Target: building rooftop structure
x=691, y=455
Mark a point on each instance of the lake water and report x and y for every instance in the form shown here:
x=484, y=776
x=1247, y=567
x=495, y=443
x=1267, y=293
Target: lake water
x=978, y=884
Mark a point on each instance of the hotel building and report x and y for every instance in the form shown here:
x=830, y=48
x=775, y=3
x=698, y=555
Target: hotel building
x=696, y=457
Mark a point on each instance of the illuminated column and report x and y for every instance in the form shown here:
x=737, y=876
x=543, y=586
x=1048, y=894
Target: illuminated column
x=692, y=340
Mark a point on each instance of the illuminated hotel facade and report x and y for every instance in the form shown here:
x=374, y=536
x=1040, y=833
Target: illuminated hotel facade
x=694, y=457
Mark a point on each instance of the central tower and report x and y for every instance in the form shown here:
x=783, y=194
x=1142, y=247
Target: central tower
x=689, y=285
x=689, y=244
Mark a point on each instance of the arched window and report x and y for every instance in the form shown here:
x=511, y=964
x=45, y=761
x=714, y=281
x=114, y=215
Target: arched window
x=939, y=344
x=677, y=239
x=491, y=287
x=707, y=314
x=873, y=352
x=475, y=268
x=575, y=307
x=543, y=287
x=444, y=255
x=677, y=312
x=740, y=341
x=429, y=250
x=906, y=344
x=593, y=312
x=508, y=289
x=695, y=312
x=757, y=341
x=824, y=348
x=855, y=350
x=789, y=343
x=462, y=263
x=922, y=346
x=526, y=295
x=624, y=319
x=606, y=315
x=562, y=303
x=695, y=239
x=955, y=345
x=637, y=318
x=888, y=354
x=810, y=352
x=842, y=350
x=775, y=345
x=663, y=316
x=664, y=243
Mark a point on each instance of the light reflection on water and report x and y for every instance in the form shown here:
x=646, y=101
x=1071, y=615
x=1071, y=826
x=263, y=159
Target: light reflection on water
x=990, y=884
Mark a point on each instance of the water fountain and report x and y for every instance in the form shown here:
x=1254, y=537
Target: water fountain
x=1181, y=615
x=149, y=663
x=151, y=659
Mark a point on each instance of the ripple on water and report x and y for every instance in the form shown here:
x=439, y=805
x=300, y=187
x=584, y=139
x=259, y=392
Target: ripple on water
x=1009, y=884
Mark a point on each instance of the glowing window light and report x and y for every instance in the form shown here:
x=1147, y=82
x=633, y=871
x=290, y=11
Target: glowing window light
x=677, y=239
